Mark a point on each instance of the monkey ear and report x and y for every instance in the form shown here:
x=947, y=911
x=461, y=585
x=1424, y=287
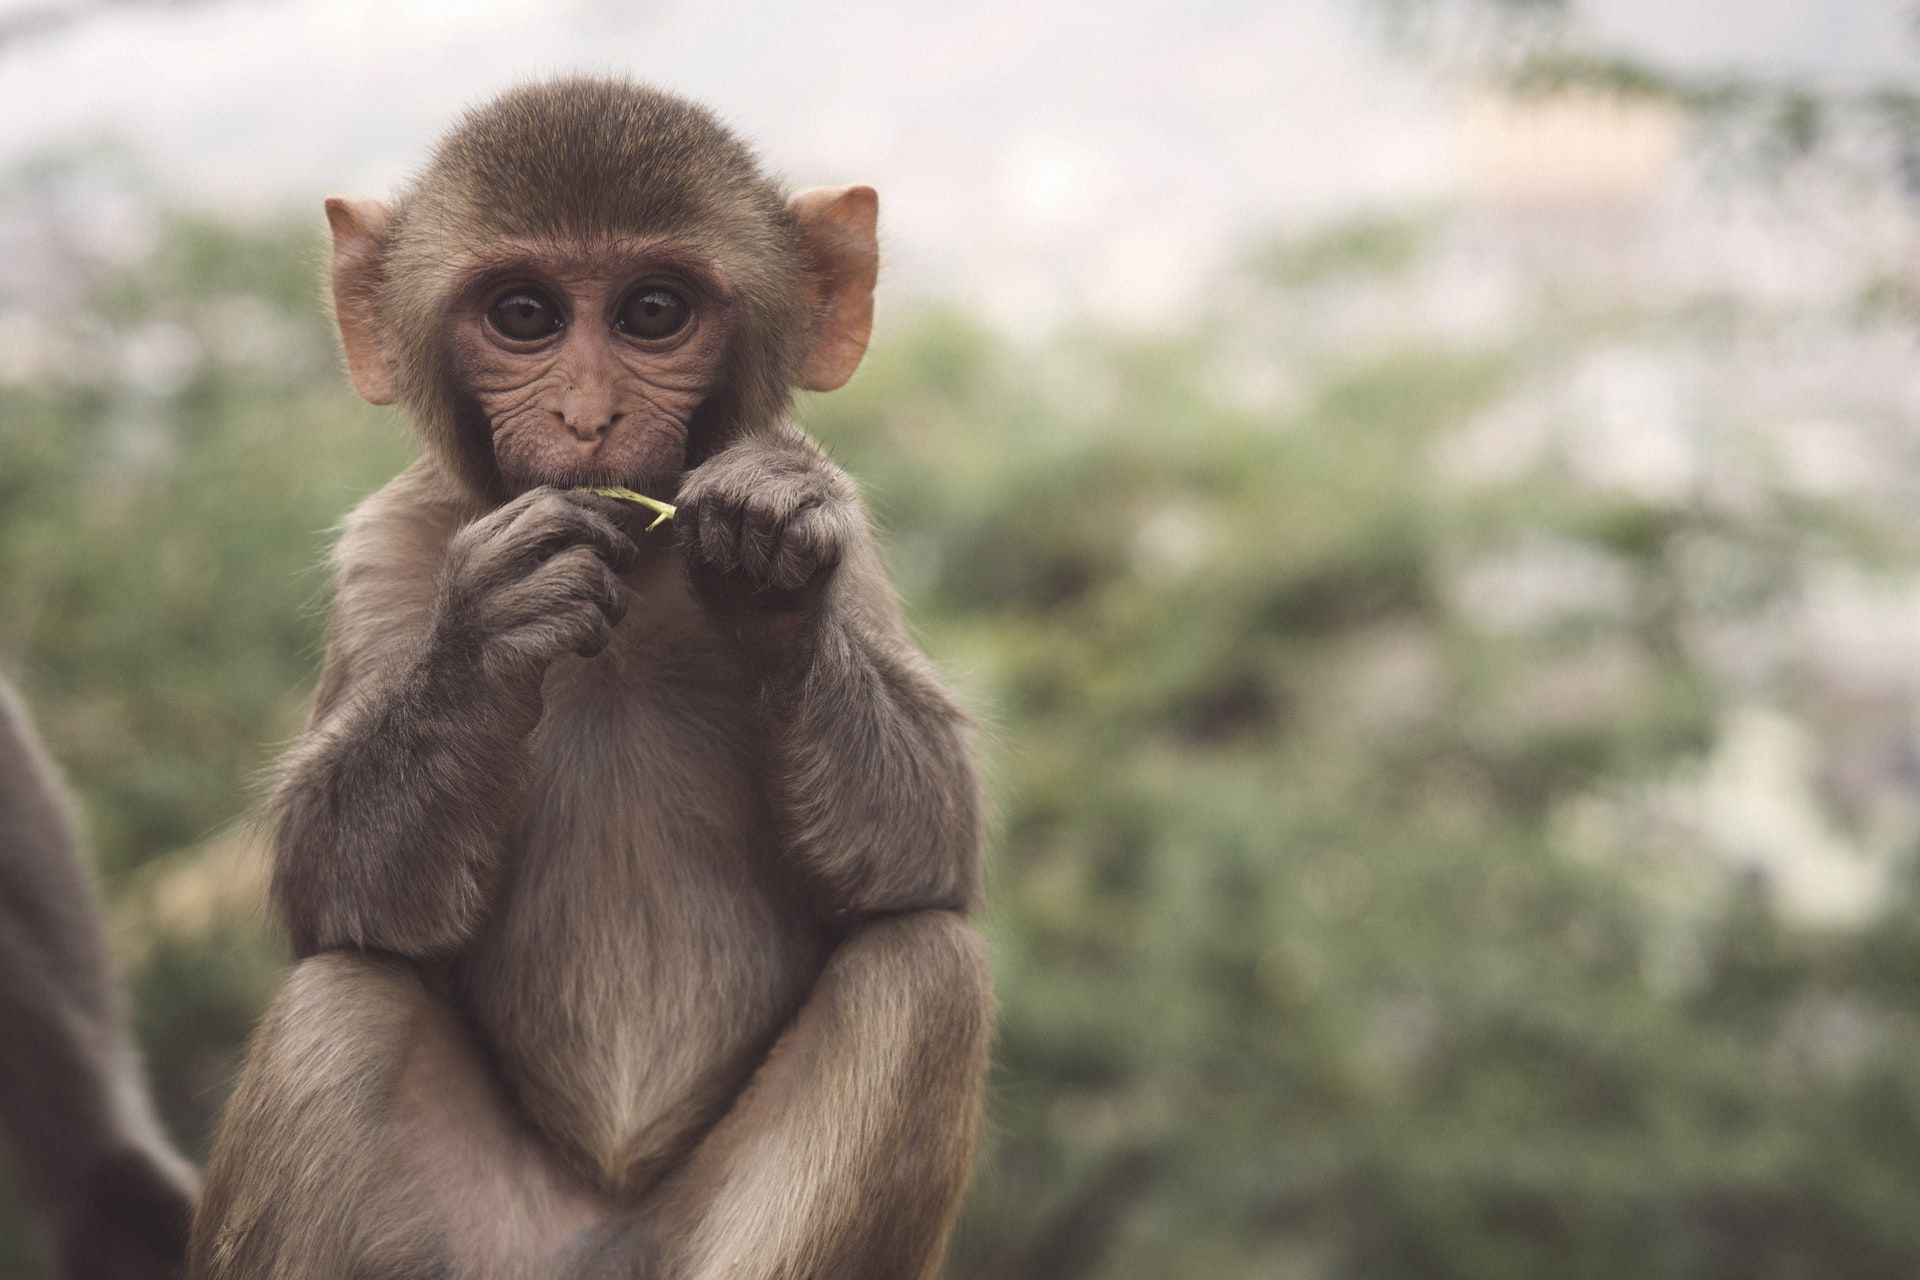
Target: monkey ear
x=843, y=259
x=359, y=250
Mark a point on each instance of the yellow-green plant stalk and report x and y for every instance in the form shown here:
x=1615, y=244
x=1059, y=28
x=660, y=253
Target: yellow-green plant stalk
x=664, y=511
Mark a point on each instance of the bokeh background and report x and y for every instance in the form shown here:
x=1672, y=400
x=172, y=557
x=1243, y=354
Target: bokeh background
x=1421, y=491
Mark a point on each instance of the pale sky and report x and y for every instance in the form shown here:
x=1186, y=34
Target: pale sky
x=1038, y=157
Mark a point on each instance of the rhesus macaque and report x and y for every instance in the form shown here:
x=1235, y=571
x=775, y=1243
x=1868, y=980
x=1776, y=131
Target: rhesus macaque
x=109, y=1198
x=627, y=871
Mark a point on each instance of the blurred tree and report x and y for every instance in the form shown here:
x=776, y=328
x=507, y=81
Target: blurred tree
x=1377, y=890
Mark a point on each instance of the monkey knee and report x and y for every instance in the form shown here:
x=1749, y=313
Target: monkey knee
x=919, y=946
x=926, y=970
x=349, y=983
x=327, y=1055
x=337, y=1008
x=300, y=1142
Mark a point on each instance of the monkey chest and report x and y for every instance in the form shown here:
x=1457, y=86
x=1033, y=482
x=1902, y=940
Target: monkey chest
x=641, y=956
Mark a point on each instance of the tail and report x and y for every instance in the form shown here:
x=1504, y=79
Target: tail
x=109, y=1195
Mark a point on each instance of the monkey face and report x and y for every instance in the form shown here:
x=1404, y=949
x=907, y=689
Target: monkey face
x=593, y=282
x=588, y=364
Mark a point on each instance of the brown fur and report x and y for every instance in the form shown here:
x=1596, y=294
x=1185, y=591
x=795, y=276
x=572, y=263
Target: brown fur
x=109, y=1196
x=585, y=160
x=628, y=870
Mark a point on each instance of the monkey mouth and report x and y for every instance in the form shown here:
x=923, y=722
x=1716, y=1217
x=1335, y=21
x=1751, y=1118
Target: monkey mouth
x=651, y=463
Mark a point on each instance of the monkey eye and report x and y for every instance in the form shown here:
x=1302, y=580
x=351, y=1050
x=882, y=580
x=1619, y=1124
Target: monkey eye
x=652, y=312
x=525, y=315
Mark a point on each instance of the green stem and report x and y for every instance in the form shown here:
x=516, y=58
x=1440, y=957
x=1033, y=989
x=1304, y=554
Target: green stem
x=665, y=510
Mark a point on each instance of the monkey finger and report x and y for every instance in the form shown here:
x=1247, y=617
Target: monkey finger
x=757, y=539
x=784, y=493
x=502, y=516
x=540, y=526
x=811, y=545
x=589, y=525
x=580, y=574
x=558, y=521
x=577, y=626
x=572, y=577
x=622, y=520
x=589, y=632
x=719, y=535
x=531, y=646
x=483, y=549
x=613, y=599
x=686, y=532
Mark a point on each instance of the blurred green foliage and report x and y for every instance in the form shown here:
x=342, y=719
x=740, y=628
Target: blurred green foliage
x=1308, y=967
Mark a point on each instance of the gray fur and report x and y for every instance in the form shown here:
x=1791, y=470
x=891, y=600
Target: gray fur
x=110, y=1198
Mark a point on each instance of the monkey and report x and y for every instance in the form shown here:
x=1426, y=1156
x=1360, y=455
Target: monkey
x=630, y=876
x=108, y=1195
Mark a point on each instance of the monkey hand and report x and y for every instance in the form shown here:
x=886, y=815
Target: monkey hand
x=764, y=527
x=530, y=582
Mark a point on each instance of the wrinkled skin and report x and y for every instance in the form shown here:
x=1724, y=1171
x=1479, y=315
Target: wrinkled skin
x=590, y=404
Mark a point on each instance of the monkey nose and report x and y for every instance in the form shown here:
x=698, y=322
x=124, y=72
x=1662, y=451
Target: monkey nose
x=588, y=428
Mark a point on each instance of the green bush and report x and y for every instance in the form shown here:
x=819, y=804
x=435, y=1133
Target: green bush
x=1319, y=937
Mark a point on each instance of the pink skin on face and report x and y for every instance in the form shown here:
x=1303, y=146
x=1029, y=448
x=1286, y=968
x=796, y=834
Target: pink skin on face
x=592, y=397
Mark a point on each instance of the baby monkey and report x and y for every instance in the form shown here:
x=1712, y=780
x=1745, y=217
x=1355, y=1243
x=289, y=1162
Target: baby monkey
x=627, y=872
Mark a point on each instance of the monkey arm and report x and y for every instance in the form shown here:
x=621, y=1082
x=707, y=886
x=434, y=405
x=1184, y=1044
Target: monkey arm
x=390, y=811
x=873, y=783
x=384, y=813
x=387, y=814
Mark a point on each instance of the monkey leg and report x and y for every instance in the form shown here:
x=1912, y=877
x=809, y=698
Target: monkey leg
x=367, y=1140
x=846, y=1156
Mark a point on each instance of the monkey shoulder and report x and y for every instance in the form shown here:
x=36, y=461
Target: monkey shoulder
x=387, y=558
x=403, y=527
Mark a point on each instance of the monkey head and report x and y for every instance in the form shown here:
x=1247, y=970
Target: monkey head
x=592, y=282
